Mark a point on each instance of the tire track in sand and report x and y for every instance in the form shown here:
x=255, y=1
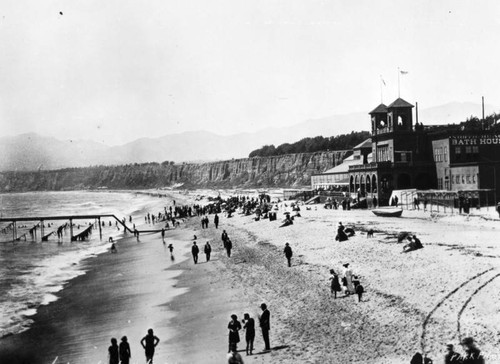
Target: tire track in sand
x=437, y=323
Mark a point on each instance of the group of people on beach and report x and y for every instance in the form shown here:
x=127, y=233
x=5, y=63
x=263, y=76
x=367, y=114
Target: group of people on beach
x=350, y=283
x=195, y=251
x=234, y=326
x=471, y=355
x=121, y=354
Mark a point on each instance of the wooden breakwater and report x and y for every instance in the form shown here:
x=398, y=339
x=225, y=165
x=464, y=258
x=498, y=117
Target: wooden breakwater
x=13, y=222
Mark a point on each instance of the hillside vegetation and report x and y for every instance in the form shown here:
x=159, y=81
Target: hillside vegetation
x=312, y=145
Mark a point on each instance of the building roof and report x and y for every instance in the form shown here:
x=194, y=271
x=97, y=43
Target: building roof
x=380, y=109
x=344, y=166
x=366, y=144
x=399, y=102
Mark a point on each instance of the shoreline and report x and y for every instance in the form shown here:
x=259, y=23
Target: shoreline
x=104, y=302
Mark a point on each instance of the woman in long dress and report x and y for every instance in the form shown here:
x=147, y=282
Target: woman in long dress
x=234, y=337
x=349, y=288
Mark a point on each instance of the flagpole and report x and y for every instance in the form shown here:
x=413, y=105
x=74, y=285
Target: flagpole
x=399, y=86
x=381, y=97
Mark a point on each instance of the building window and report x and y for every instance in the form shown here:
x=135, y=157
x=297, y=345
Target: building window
x=473, y=178
x=440, y=183
x=475, y=149
x=446, y=154
x=457, y=179
x=468, y=149
x=446, y=183
x=468, y=179
x=458, y=150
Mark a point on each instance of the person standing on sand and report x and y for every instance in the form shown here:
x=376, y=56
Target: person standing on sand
x=335, y=285
x=125, y=353
x=349, y=287
x=163, y=235
x=224, y=238
x=451, y=356
x=195, y=250
x=171, y=249
x=149, y=343
x=208, y=250
x=216, y=221
x=288, y=254
x=265, y=325
x=234, y=327
x=229, y=246
x=249, y=332
x=113, y=352
x=472, y=353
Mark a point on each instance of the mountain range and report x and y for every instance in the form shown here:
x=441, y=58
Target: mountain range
x=35, y=152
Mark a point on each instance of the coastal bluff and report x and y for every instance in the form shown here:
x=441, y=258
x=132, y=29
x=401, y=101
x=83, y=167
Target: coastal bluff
x=290, y=170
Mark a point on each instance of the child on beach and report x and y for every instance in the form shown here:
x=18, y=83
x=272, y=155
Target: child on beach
x=359, y=289
x=335, y=285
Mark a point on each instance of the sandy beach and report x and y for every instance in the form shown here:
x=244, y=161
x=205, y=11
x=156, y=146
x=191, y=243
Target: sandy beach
x=417, y=301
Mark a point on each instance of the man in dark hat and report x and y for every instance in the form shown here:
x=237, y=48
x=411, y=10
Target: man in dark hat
x=472, y=353
x=288, y=254
x=265, y=325
x=208, y=250
x=195, y=250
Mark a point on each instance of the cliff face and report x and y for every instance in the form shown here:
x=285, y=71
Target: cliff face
x=281, y=171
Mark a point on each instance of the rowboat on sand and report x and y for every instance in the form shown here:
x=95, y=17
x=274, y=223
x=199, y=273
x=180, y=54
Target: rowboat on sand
x=388, y=212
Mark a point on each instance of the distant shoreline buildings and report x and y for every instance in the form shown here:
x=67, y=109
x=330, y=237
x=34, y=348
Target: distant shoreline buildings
x=455, y=161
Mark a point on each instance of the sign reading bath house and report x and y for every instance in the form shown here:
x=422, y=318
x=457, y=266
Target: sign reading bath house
x=475, y=139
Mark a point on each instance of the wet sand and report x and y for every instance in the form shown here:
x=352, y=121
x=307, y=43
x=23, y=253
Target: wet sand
x=121, y=294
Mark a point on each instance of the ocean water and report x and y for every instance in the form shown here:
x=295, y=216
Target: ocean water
x=31, y=271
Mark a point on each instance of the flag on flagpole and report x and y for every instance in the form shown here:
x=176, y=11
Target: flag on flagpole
x=381, y=79
x=403, y=72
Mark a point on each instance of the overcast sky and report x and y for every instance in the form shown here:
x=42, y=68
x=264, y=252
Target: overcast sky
x=116, y=70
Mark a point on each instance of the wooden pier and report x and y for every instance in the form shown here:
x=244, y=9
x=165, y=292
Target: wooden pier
x=14, y=220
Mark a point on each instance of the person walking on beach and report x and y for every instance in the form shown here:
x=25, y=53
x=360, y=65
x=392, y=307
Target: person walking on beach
x=265, y=325
x=216, y=221
x=195, y=251
x=163, y=235
x=114, y=358
x=234, y=327
x=335, y=285
x=125, y=353
x=171, y=249
x=249, y=326
x=224, y=238
x=208, y=250
x=229, y=246
x=288, y=254
x=149, y=343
